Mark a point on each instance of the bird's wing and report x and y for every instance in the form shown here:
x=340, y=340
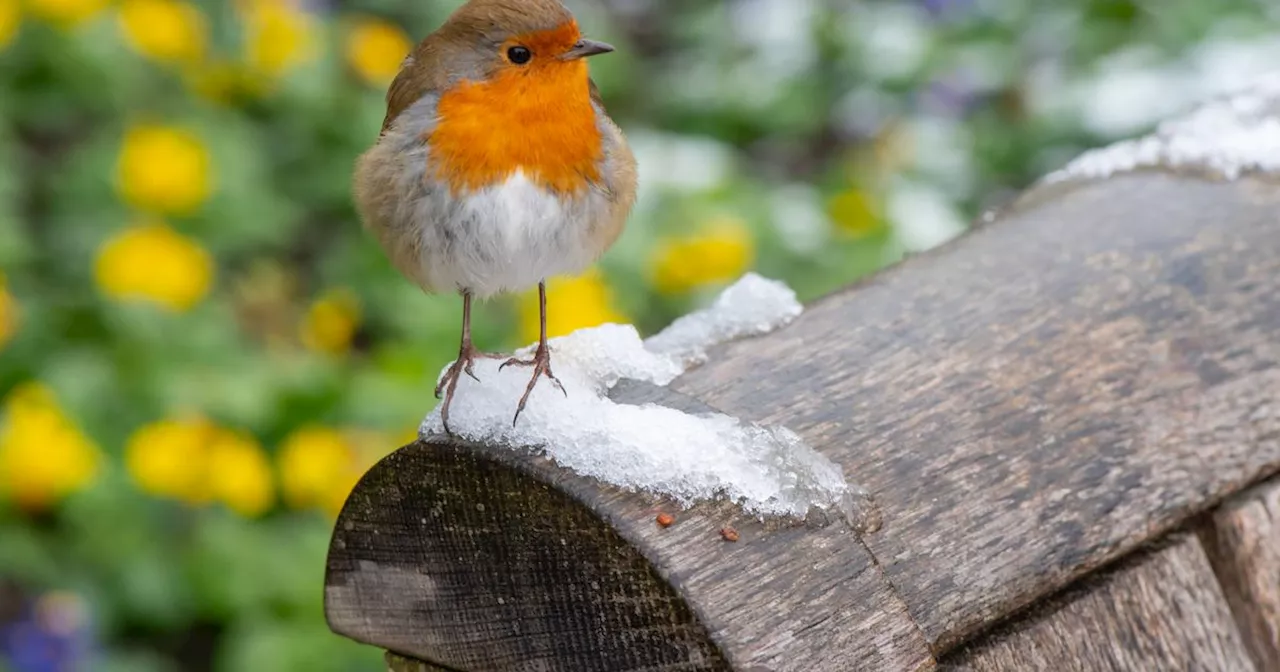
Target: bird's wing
x=412, y=83
x=595, y=93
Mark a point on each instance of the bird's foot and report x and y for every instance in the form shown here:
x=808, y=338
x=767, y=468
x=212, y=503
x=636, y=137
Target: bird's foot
x=541, y=363
x=448, y=384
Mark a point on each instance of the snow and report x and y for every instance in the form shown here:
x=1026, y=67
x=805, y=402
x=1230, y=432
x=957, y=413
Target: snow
x=1228, y=136
x=750, y=307
x=769, y=471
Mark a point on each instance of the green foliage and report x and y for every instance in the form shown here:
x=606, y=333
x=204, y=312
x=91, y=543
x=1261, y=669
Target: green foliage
x=796, y=138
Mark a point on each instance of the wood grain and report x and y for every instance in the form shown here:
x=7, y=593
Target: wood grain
x=480, y=558
x=398, y=663
x=1156, y=611
x=456, y=558
x=1041, y=395
x=1243, y=541
x=1026, y=404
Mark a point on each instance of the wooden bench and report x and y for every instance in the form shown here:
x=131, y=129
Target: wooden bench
x=1066, y=418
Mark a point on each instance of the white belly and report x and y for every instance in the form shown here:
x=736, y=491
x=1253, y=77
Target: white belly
x=507, y=238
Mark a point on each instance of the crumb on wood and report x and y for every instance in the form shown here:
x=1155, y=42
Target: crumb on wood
x=665, y=519
x=729, y=533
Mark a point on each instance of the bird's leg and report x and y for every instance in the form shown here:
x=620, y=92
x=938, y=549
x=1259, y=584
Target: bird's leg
x=541, y=361
x=467, y=355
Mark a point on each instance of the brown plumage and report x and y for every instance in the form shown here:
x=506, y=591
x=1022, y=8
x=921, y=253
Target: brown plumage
x=450, y=53
x=497, y=165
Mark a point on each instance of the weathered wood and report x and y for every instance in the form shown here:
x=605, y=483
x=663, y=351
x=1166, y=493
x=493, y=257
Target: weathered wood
x=465, y=560
x=1157, y=611
x=397, y=663
x=1042, y=394
x=1243, y=541
x=1026, y=404
x=479, y=558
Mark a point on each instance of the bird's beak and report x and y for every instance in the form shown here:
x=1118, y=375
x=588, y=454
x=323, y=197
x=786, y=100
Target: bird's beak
x=585, y=48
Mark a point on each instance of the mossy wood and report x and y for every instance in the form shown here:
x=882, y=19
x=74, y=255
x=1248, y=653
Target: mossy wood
x=1055, y=390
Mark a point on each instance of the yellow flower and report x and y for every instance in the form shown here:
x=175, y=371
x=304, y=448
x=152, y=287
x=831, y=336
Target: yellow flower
x=572, y=303
x=331, y=322
x=195, y=461
x=66, y=12
x=166, y=458
x=278, y=37
x=166, y=30
x=240, y=474
x=720, y=253
x=8, y=314
x=319, y=466
x=375, y=49
x=152, y=262
x=853, y=212
x=43, y=455
x=163, y=169
x=10, y=19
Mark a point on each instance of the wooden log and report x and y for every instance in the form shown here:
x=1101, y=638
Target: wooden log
x=1043, y=394
x=1243, y=540
x=479, y=558
x=1156, y=611
x=1026, y=404
x=397, y=663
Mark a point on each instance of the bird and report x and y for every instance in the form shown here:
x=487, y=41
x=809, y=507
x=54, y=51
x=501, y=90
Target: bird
x=497, y=167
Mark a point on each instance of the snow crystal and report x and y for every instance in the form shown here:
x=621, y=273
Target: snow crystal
x=1228, y=136
x=688, y=457
x=750, y=307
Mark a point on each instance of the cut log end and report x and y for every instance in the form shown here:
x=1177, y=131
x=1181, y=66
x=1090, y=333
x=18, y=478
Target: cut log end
x=1027, y=404
x=464, y=558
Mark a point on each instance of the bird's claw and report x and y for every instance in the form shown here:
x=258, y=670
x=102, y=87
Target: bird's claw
x=541, y=363
x=516, y=361
x=448, y=376
x=449, y=382
x=470, y=369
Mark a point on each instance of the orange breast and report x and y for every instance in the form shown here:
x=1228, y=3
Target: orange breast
x=537, y=119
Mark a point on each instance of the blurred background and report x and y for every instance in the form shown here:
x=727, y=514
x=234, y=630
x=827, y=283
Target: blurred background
x=200, y=350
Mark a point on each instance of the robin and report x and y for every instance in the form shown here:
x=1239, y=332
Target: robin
x=497, y=165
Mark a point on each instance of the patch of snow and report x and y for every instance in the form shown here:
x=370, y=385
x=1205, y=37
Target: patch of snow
x=750, y=307
x=769, y=471
x=1229, y=136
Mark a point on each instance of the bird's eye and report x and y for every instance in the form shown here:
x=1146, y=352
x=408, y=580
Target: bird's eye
x=519, y=55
